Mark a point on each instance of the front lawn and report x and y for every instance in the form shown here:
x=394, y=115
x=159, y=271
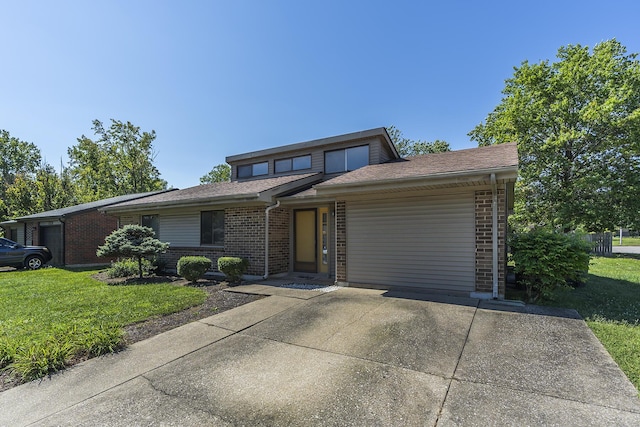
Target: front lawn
x=626, y=241
x=610, y=304
x=51, y=317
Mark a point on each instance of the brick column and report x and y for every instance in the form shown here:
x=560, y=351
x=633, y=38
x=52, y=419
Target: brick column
x=279, y=242
x=484, y=241
x=341, y=242
x=244, y=236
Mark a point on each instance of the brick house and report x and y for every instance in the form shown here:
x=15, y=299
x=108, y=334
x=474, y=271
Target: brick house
x=72, y=234
x=351, y=209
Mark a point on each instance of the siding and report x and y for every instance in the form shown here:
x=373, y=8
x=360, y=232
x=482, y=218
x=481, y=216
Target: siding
x=180, y=229
x=423, y=242
x=378, y=153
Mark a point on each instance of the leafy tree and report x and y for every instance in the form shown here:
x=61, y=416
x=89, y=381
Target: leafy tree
x=119, y=162
x=90, y=169
x=577, y=125
x=132, y=241
x=20, y=197
x=219, y=173
x=45, y=190
x=408, y=147
x=17, y=159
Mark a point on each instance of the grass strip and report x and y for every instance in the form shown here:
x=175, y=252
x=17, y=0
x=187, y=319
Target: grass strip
x=52, y=316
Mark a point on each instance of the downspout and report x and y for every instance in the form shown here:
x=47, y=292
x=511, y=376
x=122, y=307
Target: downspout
x=494, y=232
x=266, y=238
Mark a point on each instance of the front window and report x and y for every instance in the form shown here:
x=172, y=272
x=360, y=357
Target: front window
x=346, y=160
x=212, y=228
x=150, y=221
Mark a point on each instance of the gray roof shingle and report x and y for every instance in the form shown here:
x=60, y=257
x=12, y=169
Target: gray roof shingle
x=57, y=213
x=221, y=191
x=501, y=156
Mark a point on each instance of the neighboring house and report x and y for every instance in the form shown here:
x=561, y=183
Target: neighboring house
x=72, y=234
x=349, y=208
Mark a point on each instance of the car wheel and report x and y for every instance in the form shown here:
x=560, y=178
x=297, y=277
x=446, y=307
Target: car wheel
x=34, y=262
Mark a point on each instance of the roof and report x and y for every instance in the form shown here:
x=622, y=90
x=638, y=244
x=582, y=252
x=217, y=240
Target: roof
x=482, y=160
x=259, y=190
x=58, y=213
x=371, y=133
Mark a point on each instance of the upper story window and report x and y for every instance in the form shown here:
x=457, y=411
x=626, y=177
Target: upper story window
x=256, y=169
x=347, y=159
x=293, y=164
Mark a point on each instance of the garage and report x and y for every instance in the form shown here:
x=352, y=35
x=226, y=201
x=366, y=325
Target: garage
x=425, y=241
x=51, y=237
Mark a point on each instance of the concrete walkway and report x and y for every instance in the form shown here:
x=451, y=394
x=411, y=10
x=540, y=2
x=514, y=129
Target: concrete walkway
x=350, y=357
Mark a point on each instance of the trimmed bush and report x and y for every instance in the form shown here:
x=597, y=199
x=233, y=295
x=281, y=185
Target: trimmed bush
x=233, y=267
x=129, y=267
x=545, y=260
x=193, y=268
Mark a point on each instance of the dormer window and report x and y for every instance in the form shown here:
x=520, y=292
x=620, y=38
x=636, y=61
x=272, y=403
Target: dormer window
x=293, y=164
x=256, y=169
x=346, y=160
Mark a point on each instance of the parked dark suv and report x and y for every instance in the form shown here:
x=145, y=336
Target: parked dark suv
x=13, y=254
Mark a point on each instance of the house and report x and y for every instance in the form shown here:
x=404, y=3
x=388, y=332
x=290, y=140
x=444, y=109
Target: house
x=72, y=234
x=349, y=208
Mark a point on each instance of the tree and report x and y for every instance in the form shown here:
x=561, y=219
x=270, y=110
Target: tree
x=219, y=173
x=17, y=159
x=132, y=241
x=408, y=147
x=119, y=162
x=577, y=125
x=45, y=190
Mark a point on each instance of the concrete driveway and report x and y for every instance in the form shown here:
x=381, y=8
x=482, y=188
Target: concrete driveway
x=349, y=357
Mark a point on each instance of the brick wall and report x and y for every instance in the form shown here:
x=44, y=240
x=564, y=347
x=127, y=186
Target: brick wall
x=31, y=234
x=243, y=237
x=279, y=242
x=84, y=232
x=484, y=241
x=341, y=241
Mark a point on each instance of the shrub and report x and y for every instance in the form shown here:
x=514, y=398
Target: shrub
x=133, y=241
x=233, y=267
x=545, y=260
x=129, y=267
x=159, y=264
x=193, y=268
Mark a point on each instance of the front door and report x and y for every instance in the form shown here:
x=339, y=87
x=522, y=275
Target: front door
x=311, y=240
x=305, y=240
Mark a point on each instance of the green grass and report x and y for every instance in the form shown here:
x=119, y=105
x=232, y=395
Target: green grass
x=626, y=241
x=610, y=304
x=51, y=316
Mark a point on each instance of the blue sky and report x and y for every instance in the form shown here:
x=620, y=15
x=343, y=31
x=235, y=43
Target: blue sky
x=217, y=78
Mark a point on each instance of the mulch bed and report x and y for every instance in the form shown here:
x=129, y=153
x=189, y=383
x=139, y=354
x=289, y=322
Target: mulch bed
x=217, y=301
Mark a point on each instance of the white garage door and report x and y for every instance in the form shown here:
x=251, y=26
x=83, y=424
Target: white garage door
x=421, y=242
